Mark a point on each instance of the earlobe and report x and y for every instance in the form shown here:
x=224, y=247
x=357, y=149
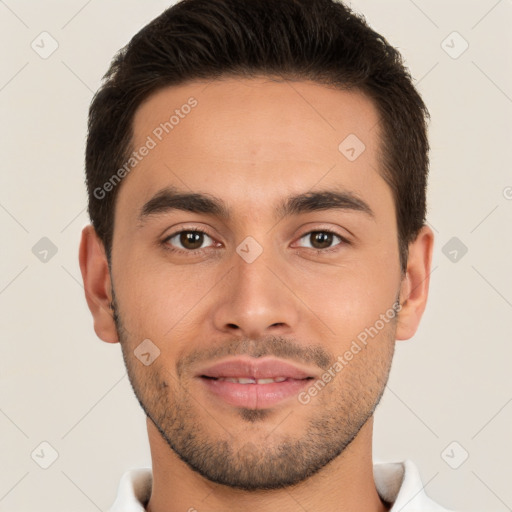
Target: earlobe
x=97, y=284
x=415, y=284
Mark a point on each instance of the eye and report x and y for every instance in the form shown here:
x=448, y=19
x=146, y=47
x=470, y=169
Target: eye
x=321, y=239
x=189, y=240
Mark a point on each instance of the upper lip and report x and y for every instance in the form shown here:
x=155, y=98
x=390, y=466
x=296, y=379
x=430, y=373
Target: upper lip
x=261, y=368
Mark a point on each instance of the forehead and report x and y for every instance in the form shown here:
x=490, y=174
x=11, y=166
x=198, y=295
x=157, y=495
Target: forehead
x=230, y=108
x=255, y=137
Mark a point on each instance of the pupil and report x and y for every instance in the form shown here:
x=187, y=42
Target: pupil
x=324, y=239
x=191, y=240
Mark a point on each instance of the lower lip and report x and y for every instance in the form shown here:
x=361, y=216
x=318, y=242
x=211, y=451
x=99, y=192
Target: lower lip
x=254, y=396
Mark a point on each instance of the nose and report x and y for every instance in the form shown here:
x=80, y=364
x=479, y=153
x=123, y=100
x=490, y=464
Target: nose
x=257, y=299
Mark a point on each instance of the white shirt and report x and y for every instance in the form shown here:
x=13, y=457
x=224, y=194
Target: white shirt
x=396, y=482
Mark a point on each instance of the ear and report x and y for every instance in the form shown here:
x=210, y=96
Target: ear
x=97, y=285
x=415, y=284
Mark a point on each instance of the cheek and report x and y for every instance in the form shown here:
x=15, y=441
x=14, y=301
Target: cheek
x=352, y=298
x=157, y=300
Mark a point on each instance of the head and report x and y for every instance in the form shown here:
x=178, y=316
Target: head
x=222, y=132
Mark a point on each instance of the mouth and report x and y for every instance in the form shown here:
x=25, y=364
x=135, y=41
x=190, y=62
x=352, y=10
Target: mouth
x=250, y=380
x=252, y=393
x=254, y=384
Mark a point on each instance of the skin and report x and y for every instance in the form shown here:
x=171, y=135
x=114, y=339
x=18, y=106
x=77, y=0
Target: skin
x=252, y=143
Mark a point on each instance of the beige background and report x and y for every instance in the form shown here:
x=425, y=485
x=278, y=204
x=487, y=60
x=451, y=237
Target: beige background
x=62, y=386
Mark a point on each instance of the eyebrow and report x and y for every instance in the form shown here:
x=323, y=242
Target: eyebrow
x=170, y=198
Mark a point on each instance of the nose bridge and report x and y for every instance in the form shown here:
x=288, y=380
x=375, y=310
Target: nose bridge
x=254, y=299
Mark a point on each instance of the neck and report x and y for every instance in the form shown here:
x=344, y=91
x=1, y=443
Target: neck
x=345, y=484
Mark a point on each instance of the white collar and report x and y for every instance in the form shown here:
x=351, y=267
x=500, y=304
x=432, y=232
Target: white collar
x=396, y=482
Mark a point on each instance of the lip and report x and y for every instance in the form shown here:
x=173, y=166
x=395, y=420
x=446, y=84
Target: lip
x=261, y=368
x=254, y=395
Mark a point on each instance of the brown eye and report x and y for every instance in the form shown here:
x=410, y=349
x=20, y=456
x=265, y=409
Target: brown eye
x=321, y=239
x=189, y=240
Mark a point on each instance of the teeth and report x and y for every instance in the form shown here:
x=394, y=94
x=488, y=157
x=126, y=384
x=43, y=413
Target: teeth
x=244, y=380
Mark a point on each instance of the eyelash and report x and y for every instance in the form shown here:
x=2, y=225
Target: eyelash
x=195, y=252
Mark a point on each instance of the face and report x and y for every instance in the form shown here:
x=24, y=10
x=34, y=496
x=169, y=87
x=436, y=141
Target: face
x=255, y=253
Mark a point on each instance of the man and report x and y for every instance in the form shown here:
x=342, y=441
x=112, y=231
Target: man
x=256, y=175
